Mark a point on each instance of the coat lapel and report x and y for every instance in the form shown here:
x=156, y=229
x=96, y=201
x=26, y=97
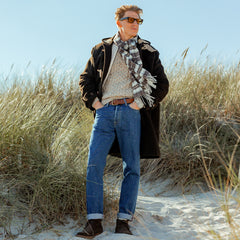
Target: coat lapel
x=107, y=44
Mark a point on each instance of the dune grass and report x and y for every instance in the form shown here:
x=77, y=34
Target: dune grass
x=43, y=148
x=199, y=121
x=227, y=189
x=45, y=130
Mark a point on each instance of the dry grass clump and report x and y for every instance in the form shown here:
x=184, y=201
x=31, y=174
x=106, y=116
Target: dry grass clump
x=199, y=119
x=44, y=133
x=229, y=197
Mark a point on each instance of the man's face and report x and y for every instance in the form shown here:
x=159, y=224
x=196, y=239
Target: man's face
x=128, y=30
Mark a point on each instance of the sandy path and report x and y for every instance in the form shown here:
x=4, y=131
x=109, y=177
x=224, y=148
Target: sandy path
x=168, y=216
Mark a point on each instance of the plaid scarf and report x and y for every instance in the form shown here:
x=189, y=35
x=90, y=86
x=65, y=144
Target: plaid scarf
x=141, y=79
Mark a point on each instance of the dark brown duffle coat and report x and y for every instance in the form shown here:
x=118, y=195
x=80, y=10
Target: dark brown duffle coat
x=91, y=81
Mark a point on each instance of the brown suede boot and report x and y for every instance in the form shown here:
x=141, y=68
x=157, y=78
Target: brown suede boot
x=122, y=227
x=92, y=229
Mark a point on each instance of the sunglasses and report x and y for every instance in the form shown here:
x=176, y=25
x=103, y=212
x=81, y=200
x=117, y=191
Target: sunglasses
x=131, y=20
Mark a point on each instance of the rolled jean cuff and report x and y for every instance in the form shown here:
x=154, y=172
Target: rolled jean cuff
x=125, y=216
x=94, y=216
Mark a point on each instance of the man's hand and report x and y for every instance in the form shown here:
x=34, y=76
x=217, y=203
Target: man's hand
x=97, y=105
x=133, y=105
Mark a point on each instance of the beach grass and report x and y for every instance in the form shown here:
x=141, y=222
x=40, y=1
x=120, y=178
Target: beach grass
x=45, y=130
x=199, y=120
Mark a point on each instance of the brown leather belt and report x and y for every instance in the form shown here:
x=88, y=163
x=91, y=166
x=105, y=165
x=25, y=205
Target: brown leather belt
x=121, y=101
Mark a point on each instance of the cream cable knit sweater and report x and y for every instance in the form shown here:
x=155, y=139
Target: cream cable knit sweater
x=117, y=83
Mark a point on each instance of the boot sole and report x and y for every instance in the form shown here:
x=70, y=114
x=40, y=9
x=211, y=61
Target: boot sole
x=87, y=237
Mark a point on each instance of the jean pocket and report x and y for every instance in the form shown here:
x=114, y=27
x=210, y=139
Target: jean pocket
x=101, y=108
x=133, y=108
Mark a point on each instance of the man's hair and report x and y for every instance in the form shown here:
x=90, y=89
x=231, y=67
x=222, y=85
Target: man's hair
x=124, y=8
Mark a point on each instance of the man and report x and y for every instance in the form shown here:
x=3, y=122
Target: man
x=123, y=82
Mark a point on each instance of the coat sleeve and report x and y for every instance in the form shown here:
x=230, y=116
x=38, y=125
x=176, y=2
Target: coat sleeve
x=88, y=82
x=162, y=85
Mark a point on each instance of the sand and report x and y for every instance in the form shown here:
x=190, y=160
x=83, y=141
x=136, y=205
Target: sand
x=162, y=213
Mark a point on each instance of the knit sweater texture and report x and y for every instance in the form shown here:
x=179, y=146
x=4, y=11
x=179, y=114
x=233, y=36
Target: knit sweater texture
x=117, y=84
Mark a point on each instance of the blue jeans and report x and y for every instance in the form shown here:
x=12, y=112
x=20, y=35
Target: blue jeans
x=125, y=123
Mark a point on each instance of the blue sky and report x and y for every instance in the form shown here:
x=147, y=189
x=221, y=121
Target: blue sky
x=39, y=31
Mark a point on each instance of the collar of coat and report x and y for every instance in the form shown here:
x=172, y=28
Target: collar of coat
x=142, y=43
